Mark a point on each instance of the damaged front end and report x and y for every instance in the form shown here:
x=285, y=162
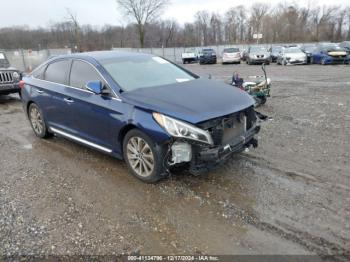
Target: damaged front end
x=230, y=134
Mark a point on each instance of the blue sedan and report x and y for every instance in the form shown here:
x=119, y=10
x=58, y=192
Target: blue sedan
x=141, y=108
x=330, y=53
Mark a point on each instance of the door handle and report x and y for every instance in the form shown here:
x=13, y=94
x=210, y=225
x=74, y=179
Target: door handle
x=39, y=91
x=68, y=100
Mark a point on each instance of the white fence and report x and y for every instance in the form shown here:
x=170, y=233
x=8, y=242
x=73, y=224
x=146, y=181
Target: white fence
x=27, y=60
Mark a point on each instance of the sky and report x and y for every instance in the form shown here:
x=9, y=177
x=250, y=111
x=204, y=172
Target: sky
x=35, y=13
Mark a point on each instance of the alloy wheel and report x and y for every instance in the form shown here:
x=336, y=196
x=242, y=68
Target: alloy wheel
x=36, y=120
x=140, y=156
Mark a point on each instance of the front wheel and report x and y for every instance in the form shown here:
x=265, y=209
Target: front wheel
x=143, y=157
x=37, y=121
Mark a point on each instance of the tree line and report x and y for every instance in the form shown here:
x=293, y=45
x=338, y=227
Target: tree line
x=281, y=23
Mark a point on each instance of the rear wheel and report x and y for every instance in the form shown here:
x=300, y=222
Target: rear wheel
x=143, y=158
x=323, y=61
x=37, y=121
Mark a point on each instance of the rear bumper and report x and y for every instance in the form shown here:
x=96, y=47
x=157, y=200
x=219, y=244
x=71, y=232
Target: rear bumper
x=231, y=59
x=9, y=88
x=206, y=158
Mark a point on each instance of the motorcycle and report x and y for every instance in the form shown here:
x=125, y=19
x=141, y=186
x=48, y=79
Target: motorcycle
x=259, y=89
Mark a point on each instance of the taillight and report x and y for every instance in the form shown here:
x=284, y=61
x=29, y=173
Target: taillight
x=21, y=84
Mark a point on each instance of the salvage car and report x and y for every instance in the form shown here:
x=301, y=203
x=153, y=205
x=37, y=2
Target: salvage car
x=330, y=53
x=258, y=55
x=190, y=55
x=291, y=56
x=231, y=55
x=9, y=77
x=115, y=103
x=207, y=56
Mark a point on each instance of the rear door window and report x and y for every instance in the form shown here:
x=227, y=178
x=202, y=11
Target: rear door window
x=82, y=73
x=57, y=72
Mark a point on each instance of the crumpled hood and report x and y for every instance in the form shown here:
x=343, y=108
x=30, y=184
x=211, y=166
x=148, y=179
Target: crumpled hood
x=192, y=101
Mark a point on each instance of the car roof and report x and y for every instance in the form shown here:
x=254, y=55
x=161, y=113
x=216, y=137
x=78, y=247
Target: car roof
x=104, y=55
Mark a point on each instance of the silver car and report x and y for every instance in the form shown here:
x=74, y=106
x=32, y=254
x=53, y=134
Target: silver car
x=258, y=55
x=291, y=56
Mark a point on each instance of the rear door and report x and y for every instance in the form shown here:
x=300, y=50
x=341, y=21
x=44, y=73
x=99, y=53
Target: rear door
x=47, y=90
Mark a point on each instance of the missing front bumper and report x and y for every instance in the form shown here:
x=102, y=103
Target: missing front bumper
x=205, y=158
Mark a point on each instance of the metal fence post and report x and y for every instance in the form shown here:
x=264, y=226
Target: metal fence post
x=23, y=61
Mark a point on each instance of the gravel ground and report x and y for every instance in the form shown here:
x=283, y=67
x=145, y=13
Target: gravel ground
x=291, y=195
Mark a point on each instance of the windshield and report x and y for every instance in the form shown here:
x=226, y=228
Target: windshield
x=208, y=51
x=258, y=49
x=309, y=48
x=276, y=49
x=292, y=50
x=2, y=56
x=332, y=47
x=231, y=50
x=144, y=71
x=3, y=61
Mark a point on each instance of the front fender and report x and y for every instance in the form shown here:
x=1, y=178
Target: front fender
x=143, y=120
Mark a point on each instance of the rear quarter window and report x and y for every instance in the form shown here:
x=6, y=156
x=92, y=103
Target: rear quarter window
x=57, y=72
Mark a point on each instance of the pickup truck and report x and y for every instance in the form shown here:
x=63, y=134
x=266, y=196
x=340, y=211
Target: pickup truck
x=189, y=56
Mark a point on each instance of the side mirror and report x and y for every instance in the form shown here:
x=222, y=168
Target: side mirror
x=94, y=86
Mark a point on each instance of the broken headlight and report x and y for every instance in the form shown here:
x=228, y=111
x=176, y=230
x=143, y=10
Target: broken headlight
x=177, y=128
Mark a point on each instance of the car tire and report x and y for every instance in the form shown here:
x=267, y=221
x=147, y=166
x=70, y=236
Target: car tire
x=323, y=61
x=146, y=164
x=37, y=121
